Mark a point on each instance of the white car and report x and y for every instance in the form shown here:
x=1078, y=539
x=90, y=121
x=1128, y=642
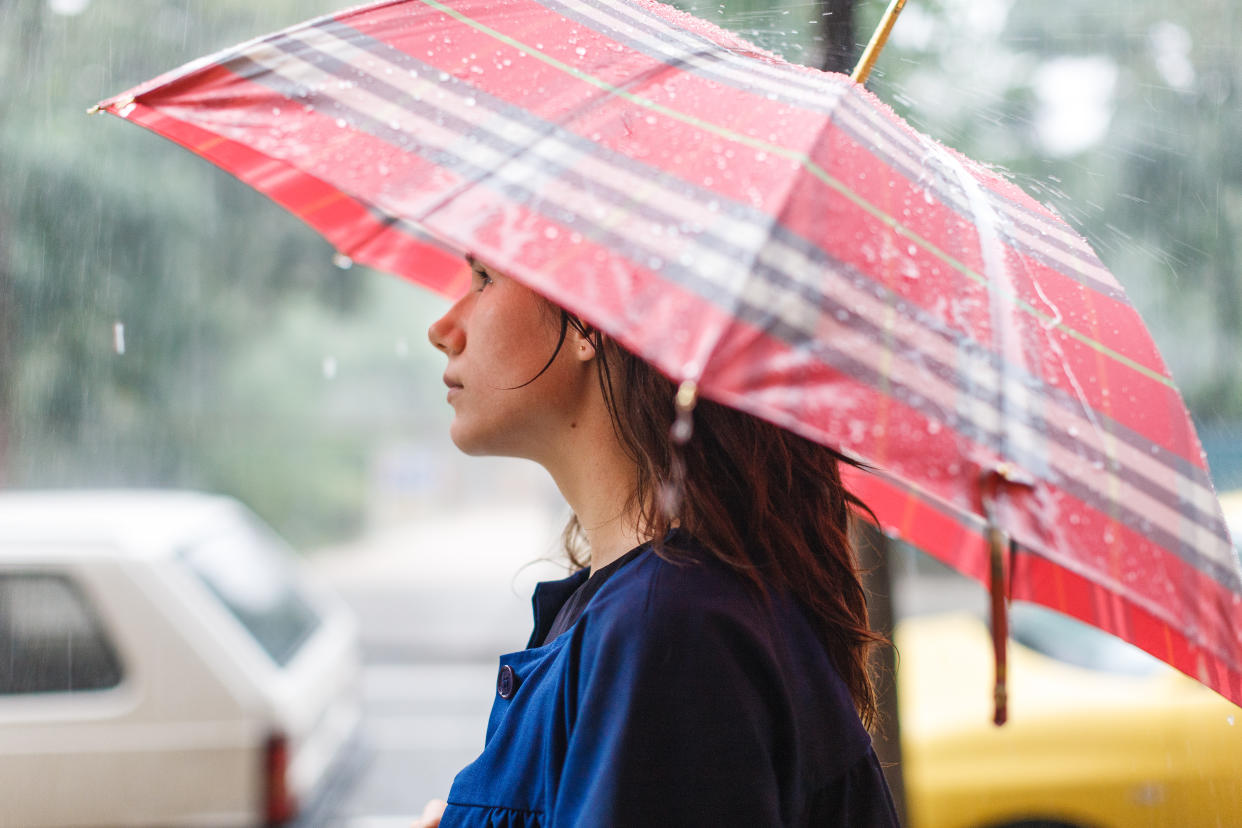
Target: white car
x=163, y=661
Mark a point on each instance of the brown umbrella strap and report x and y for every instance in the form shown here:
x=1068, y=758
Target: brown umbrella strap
x=999, y=546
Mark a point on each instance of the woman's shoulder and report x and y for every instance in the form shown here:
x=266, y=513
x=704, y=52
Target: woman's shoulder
x=692, y=630
x=682, y=581
x=688, y=606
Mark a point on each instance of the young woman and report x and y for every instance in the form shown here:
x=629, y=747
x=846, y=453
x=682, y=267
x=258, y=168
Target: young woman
x=707, y=664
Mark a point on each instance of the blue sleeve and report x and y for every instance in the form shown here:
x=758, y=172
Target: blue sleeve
x=676, y=718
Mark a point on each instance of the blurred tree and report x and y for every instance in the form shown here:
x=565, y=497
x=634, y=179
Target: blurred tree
x=126, y=300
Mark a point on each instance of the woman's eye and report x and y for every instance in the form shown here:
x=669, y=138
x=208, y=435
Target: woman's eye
x=481, y=280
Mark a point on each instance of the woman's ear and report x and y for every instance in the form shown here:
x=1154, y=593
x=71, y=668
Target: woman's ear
x=583, y=345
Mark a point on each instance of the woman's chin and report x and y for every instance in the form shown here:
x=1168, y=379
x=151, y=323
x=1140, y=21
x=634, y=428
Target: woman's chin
x=476, y=442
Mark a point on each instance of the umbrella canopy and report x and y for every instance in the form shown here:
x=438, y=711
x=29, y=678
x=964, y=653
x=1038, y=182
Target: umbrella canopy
x=775, y=234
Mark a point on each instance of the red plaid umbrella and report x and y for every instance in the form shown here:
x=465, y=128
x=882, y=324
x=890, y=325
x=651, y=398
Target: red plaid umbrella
x=775, y=234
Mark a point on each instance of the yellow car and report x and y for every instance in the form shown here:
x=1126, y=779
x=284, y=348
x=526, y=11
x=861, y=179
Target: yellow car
x=1100, y=735
x=1122, y=743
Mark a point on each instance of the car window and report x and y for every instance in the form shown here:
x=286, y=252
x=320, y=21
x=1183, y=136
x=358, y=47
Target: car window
x=1073, y=642
x=51, y=640
x=249, y=570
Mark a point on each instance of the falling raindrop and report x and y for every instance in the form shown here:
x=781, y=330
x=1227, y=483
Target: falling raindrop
x=342, y=261
x=402, y=348
x=118, y=337
x=329, y=367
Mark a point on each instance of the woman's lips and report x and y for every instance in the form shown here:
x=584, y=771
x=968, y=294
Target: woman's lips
x=453, y=386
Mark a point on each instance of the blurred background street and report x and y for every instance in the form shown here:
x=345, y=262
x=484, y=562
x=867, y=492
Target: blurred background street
x=438, y=601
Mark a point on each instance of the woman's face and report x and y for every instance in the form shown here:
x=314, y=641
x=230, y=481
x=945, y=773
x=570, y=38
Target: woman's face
x=497, y=338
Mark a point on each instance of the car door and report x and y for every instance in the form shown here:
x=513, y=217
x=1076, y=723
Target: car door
x=107, y=714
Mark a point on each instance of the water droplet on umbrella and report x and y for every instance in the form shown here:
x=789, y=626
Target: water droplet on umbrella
x=329, y=367
x=580, y=51
x=340, y=122
x=551, y=232
x=912, y=250
x=469, y=101
x=118, y=337
x=342, y=261
x=275, y=110
x=443, y=76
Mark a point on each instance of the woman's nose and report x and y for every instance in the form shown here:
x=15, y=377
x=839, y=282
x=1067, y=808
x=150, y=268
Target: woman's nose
x=445, y=334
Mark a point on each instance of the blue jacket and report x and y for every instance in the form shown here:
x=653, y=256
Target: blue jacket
x=680, y=697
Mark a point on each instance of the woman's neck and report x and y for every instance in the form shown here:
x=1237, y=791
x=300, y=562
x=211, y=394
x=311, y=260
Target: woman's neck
x=598, y=480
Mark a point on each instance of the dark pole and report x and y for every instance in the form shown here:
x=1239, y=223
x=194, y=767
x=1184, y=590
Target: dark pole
x=836, y=25
x=874, y=552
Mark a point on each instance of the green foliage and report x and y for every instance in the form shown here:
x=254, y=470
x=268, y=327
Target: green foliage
x=109, y=233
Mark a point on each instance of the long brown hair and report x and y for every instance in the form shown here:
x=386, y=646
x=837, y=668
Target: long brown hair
x=764, y=501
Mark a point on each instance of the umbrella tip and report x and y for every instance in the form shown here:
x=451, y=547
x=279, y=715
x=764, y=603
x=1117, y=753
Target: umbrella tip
x=94, y=110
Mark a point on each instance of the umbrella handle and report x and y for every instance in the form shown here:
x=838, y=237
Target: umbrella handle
x=999, y=545
x=863, y=70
